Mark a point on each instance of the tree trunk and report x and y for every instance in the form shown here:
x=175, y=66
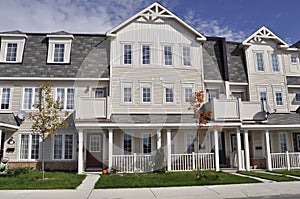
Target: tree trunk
x=43, y=161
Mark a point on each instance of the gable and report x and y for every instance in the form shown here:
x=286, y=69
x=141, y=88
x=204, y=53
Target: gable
x=155, y=13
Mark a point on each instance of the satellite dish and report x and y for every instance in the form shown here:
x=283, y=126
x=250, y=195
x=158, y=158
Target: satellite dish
x=222, y=96
x=21, y=115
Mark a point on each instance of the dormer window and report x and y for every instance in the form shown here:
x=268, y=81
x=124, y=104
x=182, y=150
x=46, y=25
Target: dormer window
x=59, y=48
x=12, y=47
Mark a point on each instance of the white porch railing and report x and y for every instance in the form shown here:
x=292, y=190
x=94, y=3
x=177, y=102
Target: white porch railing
x=132, y=163
x=189, y=162
x=288, y=160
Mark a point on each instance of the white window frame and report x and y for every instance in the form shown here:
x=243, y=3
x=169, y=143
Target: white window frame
x=275, y=98
x=262, y=61
x=127, y=85
x=292, y=60
x=277, y=62
x=30, y=135
x=123, y=53
x=18, y=39
x=151, y=142
x=185, y=57
x=280, y=142
x=164, y=56
x=132, y=144
x=59, y=39
x=169, y=86
x=184, y=97
x=260, y=96
x=146, y=85
x=63, y=147
x=9, y=99
x=297, y=93
x=33, y=98
x=66, y=97
x=142, y=54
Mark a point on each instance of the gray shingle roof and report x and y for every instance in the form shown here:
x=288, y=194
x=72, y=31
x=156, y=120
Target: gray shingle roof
x=236, y=64
x=89, y=59
x=293, y=80
x=284, y=119
x=8, y=118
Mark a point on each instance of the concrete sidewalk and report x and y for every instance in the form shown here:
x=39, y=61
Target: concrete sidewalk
x=86, y=191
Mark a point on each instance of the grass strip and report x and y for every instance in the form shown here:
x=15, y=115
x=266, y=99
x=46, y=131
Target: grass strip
x=277, y=178
x=288, y=172
x=169, y=179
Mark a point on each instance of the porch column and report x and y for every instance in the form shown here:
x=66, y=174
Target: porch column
x=80, y=151
x=247, y=153
x=227, y=89
x=110, y=147
x=158, y=139
x=169, y=149
x=239, y=149
x=216, y=139
x=268, y=150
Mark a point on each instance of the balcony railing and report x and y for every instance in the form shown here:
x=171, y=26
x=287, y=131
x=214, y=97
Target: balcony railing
x=91, y=108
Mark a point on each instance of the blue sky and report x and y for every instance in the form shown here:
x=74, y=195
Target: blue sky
x=233, y=19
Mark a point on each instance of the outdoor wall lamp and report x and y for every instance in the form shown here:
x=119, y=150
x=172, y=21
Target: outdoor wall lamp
x=11, y=141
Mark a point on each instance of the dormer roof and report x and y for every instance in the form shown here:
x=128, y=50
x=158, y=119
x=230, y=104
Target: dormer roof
x=14, y=33
x=60, y=34
x=155, y=12
x=264, y=33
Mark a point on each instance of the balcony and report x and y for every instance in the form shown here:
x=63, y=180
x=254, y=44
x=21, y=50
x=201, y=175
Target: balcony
x=91, y=108
x=235, y=110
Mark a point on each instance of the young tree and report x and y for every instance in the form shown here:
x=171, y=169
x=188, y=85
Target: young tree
x=47, y=118
x=196, y=105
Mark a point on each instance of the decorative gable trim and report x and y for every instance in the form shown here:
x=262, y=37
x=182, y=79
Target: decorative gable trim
x=264, y=33
x=155, y=13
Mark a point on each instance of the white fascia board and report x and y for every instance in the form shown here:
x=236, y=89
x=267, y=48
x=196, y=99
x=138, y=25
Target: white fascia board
x=293, y=86
x=54, y=78
x=9, y=126
x=238, y=83
x=270, y=127
x=13, y=35
x=60, y=36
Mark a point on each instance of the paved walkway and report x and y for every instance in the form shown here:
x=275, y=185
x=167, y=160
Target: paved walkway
x=86, y=191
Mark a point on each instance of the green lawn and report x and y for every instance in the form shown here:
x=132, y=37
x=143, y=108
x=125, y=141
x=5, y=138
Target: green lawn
x=32, y=180
x=169, y=179
x=277, y=178
x=290, y=172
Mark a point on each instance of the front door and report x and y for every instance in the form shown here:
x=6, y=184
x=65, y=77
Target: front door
x=2, y=139
x=222, y=154
x=296, y=139
x=94, y=153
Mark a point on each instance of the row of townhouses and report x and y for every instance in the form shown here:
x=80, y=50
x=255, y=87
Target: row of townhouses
x=128, y=92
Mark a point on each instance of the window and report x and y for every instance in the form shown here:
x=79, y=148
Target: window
x=275, y=66
x=127, y=144
x=259, y=62
x=186, y=55
x=169, y=95
x=66, y=97
x=188, y=93
x=168, y=55
x=5, y=98
x=95, y=142
x=127, y=95
x=146, y=95
x=294, y=59
x=146, y=54
x=30, y=98
x=263, y=96
x=283, y=142
x=211, y=95
x=278, y=97
x=297, y=97
x=11, y=52
x=30, y=147
x=63, y=146
x=59, y=52
x=99, y=92
x=127, y=54
x=190, y=145
x=147, y=143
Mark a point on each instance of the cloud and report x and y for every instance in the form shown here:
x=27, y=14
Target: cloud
x=213, y=27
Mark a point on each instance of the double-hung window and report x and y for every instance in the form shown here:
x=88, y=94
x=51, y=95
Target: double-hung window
x=294, y=59
x=30, y=97
x=29, y=147
x=146, y=54
x=127, y=94
x=146, y=95
x=263, y=96
x=127, y=54
x=5, y=98
x=283, y=142
x=186, y=55
x=59, y=52
x=259, y=62
x=275, y=65
x=297, y=97
x=66, y=97
x=11, y=52
x=127, y=142
x=169, y=95
x=168, y=55
x=278, y=98
x=147, y=143
x=63, y=146
x=188, y=93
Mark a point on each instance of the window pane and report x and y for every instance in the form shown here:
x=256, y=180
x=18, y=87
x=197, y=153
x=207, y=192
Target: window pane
x=168, y=55
x=146, y=54
x=211, y=96
x=99, y=93
x=275, y=66
x=297, y=97
x=169, y=95
x=127, y=54
x=58, y=147
x=279, y=99
x=263, y=96
x=146, y=95
x=95, y=143
x=190, y=143
x=186, y=55
x=59, y=50
x=27, y=98
x=24, y=146
x=35, y=145
x=11, y=53
x=147, y=143
x=283, y=144
x=259, y=62
x=188, y=93
x=68, y=147
x=127, y=95
x=61, y=97
x=127, y=144
x=5, y=98
x=293, y=59
x=70, y=98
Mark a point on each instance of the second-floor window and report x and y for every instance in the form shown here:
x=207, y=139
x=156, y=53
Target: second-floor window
x=262, y=96
x=5, y=98
x=30, y=98
x=186, y=55
x=168, y=55
x=146, y=94
x=127, y=94
x=66, y=97
x=169, y=95
x=297, y=97
x=278, y=98
x=127, y=54
x=188, y=93
x=59, y=52
x=275, y=66
x=146, y=54
x=259, y=62
x=294, y=59
x=11, y=52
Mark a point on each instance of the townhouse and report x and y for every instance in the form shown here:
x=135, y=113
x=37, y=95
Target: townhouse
x=128, y=91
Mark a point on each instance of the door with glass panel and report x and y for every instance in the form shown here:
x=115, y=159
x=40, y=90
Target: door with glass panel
x=94, y=151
